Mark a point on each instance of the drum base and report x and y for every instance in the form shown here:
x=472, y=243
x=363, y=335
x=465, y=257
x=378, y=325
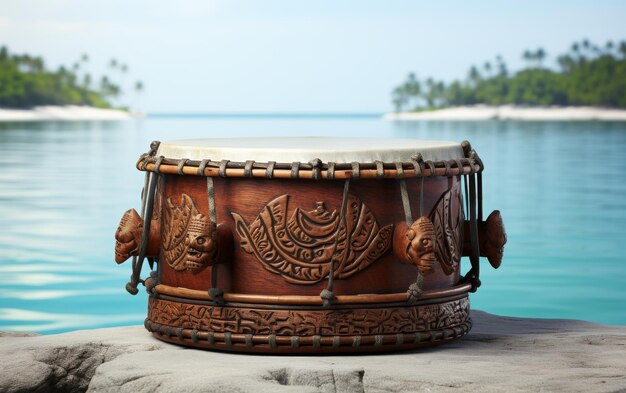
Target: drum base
x=300, y=330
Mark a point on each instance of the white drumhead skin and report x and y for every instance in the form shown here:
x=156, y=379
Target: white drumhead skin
x=305, y=149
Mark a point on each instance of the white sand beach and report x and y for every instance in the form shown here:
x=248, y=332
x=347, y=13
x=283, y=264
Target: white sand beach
x=70, y=112
x=510, y=112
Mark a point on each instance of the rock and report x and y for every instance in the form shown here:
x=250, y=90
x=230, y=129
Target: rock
x=500, y=354
x=18, y=334
x=65, y=362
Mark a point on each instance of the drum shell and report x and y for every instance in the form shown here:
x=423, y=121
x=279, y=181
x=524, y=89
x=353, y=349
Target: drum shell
x=243, y=273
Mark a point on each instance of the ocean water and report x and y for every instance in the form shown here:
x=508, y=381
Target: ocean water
x=561, y=188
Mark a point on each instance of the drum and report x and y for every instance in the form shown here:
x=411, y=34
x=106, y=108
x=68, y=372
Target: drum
x=309, y=245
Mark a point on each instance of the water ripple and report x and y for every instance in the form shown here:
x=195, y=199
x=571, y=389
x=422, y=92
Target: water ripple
x=28, y=320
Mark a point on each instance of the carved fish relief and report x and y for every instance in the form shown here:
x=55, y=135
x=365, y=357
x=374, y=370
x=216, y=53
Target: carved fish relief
x=447, y=218
x=189, y=238
x=302, y=247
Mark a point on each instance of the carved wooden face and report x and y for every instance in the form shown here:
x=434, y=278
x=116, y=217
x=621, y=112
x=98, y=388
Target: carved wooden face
x=189, y=238
x=199, y=243
x=128, y=236
x=420, y=247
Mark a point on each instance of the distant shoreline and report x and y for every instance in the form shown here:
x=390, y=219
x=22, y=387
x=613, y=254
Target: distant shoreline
x=510, y=112
x=461, y=113
x=268, y=115
x=65, y=113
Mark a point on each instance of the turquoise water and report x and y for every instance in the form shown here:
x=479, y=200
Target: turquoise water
x=63, y=186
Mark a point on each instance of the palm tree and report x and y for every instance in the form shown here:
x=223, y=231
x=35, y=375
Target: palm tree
x=113, y=90
x=576, y=51
x=487, y=67
x=596, y=50
x=529, y=57
x=439, y=96
x=474, y=75
x=566, y=62
x=413, y=89
x=622, y=48
x=139, y=86
x=585, y=44
x=123, y=68
x=502, y=69
x=105, y=86
x=399, y=98
x=38, y=64
x=430, y=93
x=85, y=89
x=86, y=81
x=539, y=56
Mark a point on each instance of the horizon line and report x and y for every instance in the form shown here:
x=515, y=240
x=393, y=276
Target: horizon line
x=265, y=114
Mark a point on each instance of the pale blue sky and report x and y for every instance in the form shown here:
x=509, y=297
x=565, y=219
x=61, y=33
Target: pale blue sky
x=288, y=56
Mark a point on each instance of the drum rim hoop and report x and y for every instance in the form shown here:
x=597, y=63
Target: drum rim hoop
x=314, y=169
x=338, y=171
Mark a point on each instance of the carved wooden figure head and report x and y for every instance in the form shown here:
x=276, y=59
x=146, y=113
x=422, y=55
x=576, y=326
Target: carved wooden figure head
x=189, y=238
x=415, y=245
x=128, y=236
x=420, y=248
x=201, y=244
x=493, y=239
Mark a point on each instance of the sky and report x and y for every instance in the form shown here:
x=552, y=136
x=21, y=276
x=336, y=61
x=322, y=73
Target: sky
x=294, y=56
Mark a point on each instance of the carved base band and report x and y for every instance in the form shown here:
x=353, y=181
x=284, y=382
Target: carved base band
x=361, y=329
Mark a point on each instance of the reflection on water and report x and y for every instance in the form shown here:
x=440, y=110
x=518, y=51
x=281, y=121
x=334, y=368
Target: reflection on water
x=64, y=186
x=26, y=320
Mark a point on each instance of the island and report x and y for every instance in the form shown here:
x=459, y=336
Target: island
x=30, y=91
x=589, y=83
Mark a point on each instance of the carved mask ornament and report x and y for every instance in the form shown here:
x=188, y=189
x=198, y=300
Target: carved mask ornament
x=437, y=238
x=419, y=239
x=189, y=238
x=128, y=236
x=130, y=231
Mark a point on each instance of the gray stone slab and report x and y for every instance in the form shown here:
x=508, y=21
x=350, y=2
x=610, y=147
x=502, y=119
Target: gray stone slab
x=500, y=354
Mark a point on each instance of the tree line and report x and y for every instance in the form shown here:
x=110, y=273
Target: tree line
x=26, y=82
x=587, y=74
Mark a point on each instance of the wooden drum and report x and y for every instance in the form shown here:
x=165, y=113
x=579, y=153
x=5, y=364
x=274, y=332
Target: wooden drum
x=309, y=245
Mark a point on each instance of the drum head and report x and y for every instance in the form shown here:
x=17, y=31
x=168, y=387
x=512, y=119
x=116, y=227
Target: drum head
x=305, y=149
